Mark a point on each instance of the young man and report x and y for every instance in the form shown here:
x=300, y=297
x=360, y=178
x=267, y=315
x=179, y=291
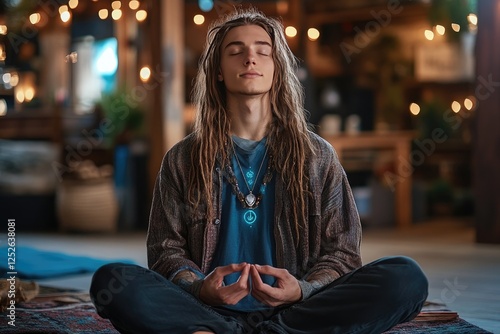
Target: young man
x=253, y=226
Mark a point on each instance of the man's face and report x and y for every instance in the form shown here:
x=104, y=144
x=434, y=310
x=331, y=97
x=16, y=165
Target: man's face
x=247, y=65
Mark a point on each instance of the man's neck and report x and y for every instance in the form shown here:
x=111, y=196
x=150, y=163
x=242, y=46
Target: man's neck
x=250, y=117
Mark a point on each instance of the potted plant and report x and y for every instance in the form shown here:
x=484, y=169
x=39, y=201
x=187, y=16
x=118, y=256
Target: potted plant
x=124, y=117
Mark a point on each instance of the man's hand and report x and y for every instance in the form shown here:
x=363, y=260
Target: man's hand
x=213, y=292
x=286, y=291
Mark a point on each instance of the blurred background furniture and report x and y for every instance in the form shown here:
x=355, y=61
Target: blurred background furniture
x=398, y=143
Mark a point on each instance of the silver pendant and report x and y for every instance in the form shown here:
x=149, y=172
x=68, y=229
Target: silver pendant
x=250, y=199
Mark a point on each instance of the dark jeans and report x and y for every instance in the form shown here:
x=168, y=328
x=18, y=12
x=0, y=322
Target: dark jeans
x=371, y=299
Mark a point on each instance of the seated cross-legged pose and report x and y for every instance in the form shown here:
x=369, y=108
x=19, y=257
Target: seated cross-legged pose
x=253, y=226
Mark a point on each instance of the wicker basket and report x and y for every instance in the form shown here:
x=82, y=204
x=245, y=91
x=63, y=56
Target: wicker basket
x=87, y=205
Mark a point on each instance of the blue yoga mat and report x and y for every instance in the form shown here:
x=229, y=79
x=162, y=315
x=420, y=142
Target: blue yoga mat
x=32, y=263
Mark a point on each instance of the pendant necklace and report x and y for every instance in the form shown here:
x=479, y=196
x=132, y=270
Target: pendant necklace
x=251, y=200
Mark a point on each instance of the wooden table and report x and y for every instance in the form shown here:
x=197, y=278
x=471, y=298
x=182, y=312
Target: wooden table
x=399, y=143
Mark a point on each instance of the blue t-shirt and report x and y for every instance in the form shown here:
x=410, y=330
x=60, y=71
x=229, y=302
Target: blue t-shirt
x=246, y=235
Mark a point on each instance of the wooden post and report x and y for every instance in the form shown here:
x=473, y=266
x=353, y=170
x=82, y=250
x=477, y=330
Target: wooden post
x=486, y=160
x=166, y=121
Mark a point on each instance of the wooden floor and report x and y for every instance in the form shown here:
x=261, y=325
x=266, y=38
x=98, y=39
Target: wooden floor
x=462, y=274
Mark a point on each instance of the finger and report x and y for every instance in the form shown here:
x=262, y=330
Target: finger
x=228, y=269
x=235, y=292
x=272, y=271
x=241, y=285
x=254, y=274
x=230, y=296
x=244, y=274
x=261, y=288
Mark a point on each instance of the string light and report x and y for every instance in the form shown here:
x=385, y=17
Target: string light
x=312, y=34
x=3, y=107
x=116, y=5
x=6, y=77
x=145, y=73
x=3, y=54
x=134, y=4
x=469, y=102
x=455, y=27
x=103, y=14
x=14, y=79
x=35, y=18
x=291, y=31
x=141, y=15
x=116, y=14
x=198, y=19
x=20, y=96
x=65, y=16
x=414, y=109
x=440, y=29
x=3, y=29
x=29, y=94
x=455, y=106
x=472, y=18
x=63, y=9
x=73, y=4
x=429, y=34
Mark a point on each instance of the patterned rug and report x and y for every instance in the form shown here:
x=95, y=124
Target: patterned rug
x=73, y=313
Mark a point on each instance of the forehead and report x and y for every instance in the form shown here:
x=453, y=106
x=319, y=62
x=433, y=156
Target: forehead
x=247, y=34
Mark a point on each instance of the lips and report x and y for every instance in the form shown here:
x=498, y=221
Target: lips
x=250, y=74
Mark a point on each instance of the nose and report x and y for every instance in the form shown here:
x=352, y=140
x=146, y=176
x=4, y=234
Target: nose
x=249, y=58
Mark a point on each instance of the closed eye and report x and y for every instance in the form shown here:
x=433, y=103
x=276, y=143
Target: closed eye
x=265, y=51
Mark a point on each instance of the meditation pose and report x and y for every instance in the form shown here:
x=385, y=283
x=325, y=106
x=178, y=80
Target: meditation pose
x=253, y=226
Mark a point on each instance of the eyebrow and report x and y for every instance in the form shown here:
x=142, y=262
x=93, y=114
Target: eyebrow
x=240, y=43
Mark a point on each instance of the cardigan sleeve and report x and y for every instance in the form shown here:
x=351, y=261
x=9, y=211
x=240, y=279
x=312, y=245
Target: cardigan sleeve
x=340, y=237
x=167, y=237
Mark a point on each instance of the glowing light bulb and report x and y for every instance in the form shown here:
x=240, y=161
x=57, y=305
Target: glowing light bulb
x=29, y=94
x=199, y=19
x=455, y=106
x=3, y=107
x=141, y=15
x=440, y=29
x=455, y=27
x=145, y=74
x=116, y=14
x=313, y=34
x=469, y=102
x=20, y=96
x=291, y=31
x=35, y=18
x=414, y=109
x=429, y=35
x=134, y=4
x=103, y=14
x=472, y=18
x=63, y=9
x=73, y=4
x=65, y=16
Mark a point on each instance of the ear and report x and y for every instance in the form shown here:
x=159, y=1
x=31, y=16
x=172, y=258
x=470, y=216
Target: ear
x=219, y=77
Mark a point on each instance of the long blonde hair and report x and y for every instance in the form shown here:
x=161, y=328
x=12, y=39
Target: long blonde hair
x=288, y=139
